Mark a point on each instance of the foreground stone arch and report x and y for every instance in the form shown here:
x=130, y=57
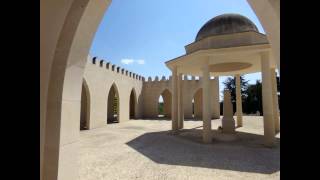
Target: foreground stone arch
x=66, y=32
x=268, y=13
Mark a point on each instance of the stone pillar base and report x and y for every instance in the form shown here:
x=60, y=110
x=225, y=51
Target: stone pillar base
x=228, y=125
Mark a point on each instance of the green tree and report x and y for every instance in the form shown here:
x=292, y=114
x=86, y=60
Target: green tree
x=253, y=101
x=160, y=108
x=115, y=105
x=230, y=84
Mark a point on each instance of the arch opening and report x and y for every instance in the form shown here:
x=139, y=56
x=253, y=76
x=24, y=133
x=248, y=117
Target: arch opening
x=164, y=104
x=113, y=105
x=132, y=104
x=192, y=108
x=160, y=107
x=85, y=107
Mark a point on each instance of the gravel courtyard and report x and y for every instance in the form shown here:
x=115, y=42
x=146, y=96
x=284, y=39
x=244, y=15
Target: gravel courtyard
x=145, y=149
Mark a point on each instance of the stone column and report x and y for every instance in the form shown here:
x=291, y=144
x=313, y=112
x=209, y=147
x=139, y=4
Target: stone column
x=267, y=100
x=198, y=105
x=215, y=105
x=180, y=102
x=238, y=101
x=275, y=100
x=206, y=104
x=174, y=112
x=228, y=124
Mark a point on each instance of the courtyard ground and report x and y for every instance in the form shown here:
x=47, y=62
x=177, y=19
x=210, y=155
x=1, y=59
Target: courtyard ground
x=145, y=149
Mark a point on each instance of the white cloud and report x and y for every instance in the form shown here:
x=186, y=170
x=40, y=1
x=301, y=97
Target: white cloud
x=140, y=61
x=130, y=61
x=127, y=61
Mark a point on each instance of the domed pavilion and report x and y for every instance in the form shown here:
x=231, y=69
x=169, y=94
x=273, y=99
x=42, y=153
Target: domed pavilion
x=227, y=45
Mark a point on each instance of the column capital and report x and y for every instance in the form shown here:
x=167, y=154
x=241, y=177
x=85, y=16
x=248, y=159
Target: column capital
x=205, y=68
x=265, y=55
x=205, y=63
x=174, y=68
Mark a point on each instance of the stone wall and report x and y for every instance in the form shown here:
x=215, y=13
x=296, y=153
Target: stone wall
x=100, y=76
x=152, y=89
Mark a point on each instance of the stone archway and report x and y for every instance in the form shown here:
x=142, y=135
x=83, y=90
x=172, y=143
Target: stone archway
x=165, y=106
x=133, y=104
x=197, y=104
x=67, y=28
x=268, y=13
x=113, y=115
x=85, y=107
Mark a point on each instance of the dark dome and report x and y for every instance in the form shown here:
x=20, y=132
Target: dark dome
x=226, y=24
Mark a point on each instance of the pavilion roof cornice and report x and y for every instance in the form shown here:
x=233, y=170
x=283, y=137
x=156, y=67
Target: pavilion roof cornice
x=260, y=46
x=221, y=35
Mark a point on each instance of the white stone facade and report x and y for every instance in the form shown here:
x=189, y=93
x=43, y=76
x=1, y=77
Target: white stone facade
x=100, y=76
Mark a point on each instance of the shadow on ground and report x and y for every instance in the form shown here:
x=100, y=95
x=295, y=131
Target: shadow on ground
x=245, y=153
x=169, y=119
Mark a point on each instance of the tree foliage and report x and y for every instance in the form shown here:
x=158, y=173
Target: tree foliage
x=230, y=84
x=253, y=101
x=160, y=108
x=251, y=95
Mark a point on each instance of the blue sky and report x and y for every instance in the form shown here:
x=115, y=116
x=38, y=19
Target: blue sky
x=140, y=35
